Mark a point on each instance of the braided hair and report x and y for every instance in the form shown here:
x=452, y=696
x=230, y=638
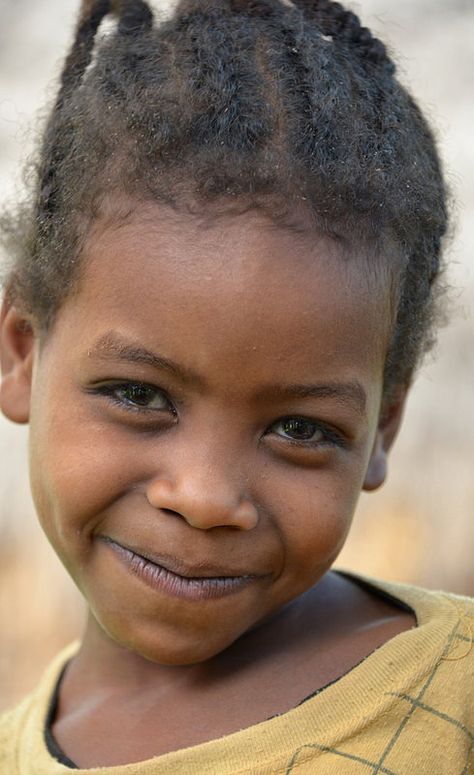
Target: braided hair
x=254, y=103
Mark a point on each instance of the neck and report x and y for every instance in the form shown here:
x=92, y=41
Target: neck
x=102, y=662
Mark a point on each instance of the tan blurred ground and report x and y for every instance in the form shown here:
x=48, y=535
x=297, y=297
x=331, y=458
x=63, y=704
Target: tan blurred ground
x=420, y=527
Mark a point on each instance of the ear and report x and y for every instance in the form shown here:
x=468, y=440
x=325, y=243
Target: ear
x=388, y=427
x=17, y=348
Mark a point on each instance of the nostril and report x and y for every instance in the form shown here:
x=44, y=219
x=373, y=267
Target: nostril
x=202, y=507
x=172, y=513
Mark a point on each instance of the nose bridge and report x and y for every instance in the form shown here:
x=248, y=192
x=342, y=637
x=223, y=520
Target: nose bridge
x=205, y=480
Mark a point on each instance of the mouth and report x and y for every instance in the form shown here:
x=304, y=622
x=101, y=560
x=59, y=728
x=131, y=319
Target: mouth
x=169, y=575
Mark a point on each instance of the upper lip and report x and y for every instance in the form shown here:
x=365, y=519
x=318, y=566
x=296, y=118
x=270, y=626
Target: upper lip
x=200, y=570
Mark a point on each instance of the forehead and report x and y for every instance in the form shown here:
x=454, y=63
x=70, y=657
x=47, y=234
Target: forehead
x=235, y=287
x=245, y=247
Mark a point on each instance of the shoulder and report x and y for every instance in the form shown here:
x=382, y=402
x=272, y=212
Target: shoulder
x=11, y=724
x=441, y=645
x=426, y=603
x=433, y=604
x=21, y=727
x=444, y=630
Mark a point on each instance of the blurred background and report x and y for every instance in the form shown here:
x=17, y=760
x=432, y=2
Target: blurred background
x=419, y=528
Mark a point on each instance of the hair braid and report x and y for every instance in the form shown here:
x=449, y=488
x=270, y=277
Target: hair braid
x=260, y=103
x=263, y=8
x=340, y=24
x=92, y=13
x=136, y=17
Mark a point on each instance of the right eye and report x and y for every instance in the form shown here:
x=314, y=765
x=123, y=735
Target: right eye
x=137, y=396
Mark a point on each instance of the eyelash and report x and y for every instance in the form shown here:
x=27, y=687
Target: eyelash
x=110, y=391
x=331, y=437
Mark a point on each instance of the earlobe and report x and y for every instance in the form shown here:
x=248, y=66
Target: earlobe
x=17, y=347
x=389, y=424
x=377, y=467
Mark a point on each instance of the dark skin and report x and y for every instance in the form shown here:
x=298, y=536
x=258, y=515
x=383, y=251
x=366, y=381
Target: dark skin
x=266, y=672
x=212, y=396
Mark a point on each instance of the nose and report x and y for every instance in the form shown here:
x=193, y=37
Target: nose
x=203, y=494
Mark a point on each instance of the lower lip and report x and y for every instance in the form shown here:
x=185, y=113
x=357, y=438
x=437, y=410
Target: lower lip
x=164, y=580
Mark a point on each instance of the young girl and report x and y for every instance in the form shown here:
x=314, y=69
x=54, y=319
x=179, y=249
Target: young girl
x=218, y=296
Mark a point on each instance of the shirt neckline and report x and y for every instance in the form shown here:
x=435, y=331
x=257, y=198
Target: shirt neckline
x=393, y=662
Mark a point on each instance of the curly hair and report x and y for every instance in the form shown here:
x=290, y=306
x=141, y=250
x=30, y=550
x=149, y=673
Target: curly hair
x=264, y=102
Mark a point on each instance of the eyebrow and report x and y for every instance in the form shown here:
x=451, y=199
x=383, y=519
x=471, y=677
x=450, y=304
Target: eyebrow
x=111, y=346
x=346, y=393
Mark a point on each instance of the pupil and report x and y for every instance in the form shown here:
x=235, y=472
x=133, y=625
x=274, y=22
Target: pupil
x=300, y=429
x=136, y=394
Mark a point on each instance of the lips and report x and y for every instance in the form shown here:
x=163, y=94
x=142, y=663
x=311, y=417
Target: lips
x=202, y=570
x=201, y=581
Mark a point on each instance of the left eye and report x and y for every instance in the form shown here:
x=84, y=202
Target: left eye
x=137, y=395
x=141, y=395
x=298, y=429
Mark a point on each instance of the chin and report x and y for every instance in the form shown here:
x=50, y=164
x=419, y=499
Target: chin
x=179, y=654
x=171, y=648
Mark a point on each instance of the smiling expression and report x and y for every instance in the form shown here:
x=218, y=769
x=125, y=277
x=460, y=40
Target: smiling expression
x=203, y=414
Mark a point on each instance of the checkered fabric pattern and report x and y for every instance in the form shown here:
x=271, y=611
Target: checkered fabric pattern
x=407, y=709
x=425, y=737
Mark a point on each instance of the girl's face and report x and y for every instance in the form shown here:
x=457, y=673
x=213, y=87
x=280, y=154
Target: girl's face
x=204, y=414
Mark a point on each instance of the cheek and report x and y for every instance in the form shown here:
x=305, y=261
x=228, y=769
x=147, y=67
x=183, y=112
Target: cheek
x=74, y=476
x=319, y=512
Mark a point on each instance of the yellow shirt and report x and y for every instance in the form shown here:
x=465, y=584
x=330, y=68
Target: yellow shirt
x=407, y=709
